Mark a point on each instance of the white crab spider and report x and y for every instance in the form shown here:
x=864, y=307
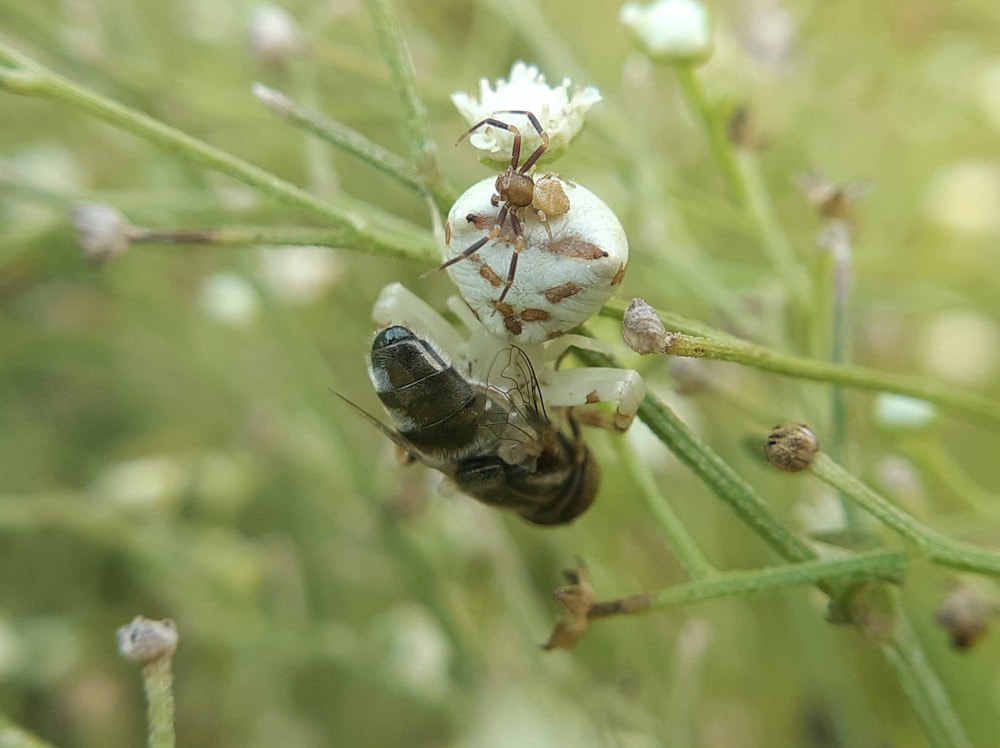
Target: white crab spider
x=473, y=354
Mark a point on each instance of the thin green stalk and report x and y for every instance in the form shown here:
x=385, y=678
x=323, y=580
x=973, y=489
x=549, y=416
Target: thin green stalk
x=715, y=472
x=719, y=143
x=719, y=346
x=379, y=232
x=723, y=480
x=905, y=654
x=779, y=250
x=742, y=172
x=881, y=565
x=158, y=681
x=340, y=136
x=422, y=145
x=939, y=547
x=240, y=236
x=671, y=528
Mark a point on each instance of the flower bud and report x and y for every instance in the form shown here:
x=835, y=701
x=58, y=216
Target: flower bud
x=144, y=640
x=791, y=447
x=670, y=30
x=102, y=231
x=643, y=329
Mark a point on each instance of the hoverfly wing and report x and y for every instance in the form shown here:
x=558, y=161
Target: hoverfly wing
x=398, y=439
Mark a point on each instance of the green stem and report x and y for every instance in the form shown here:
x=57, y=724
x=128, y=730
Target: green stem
x=240, y=236
x=677, y=537
x=727, y=348
x=339, y=135
x=715, y=473
x=923, y=689
x=422, y=145
x=158, y=681
x=741, y=170
x=380, y=233
x=723, y=480
x=718, y=141
x=939, y=547
x=882, y=565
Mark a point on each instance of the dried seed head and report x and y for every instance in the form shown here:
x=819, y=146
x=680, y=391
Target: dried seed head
x=791, y=447
x=102, y=231
x=964, y=614
x=144, y=640
x=643, y=329
x=577, y=598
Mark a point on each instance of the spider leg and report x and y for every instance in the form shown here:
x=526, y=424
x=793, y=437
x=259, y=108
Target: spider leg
x=515, y=155
x=515, y=224
x=477, y=245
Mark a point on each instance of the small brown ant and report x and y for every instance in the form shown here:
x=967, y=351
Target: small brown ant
x=518, y=190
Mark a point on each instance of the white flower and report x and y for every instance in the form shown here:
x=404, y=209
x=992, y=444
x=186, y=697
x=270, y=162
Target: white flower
x=298, y=275
x=560, y=111
x=228, y=298
x=903, y=412
x=676, y=30
x=275, y=37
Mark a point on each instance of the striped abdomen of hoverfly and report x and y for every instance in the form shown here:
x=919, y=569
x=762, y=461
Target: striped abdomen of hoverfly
x=493, y=439
x=561, y=487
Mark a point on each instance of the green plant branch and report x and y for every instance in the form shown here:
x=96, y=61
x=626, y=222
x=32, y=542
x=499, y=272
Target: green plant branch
x=715, y=472
x=742, y=172
x=379, y=232
x=924, y=690
x=879, y=565
x=719, y=346
x=671, y=528
x=422, y=145
x=939, y=547
x=350, y=141
x=158, y=681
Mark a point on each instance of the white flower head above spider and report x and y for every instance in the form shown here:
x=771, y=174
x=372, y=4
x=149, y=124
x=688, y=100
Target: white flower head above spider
x=559, y=110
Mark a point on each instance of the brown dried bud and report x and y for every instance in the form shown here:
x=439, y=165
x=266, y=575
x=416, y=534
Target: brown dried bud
x=102, y=231
x=643, y=329
x=144, y=640
x=964, y=614
x=577, y=598
x=791, y=447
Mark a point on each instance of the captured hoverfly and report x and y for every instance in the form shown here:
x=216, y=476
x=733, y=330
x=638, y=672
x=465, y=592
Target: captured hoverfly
x=494, y=439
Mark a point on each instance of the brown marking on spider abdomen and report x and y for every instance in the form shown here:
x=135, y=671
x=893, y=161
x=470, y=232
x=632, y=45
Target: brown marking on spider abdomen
x=535, y=315
x=571, y=246
x=481, y=221
x=490, y=276
x=593, y=397
x=510, y=320
x=619, y=275
x=557, y=293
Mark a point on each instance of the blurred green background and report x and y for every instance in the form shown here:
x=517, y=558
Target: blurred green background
x=170, y=444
